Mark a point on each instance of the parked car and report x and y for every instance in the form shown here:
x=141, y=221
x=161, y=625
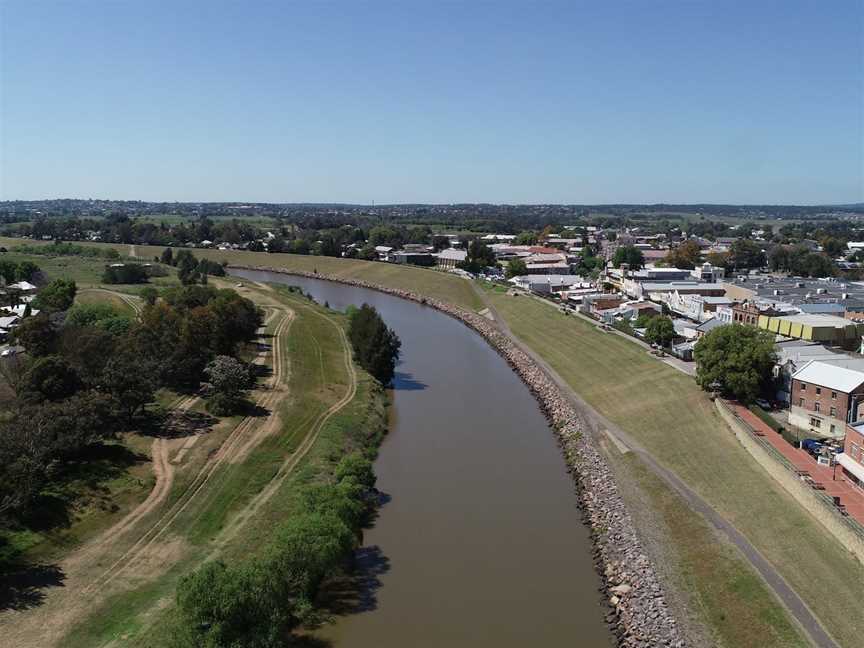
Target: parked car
x=812, y=446
x=764, y=404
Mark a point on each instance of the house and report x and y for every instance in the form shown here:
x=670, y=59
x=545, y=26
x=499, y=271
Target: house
x=548, y=283
x=824, y=395
x=708, y=273
x=23, y=286
x=412, y=258
x=447, y=259
x=656, y=291
x=552, y=268
x=383, y=252
x=852, y=458
x=7, y=323
x=595, y=304
x=792, y=355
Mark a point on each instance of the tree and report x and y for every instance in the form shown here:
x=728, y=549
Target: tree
x=37, y=335
x=250, y=605
x=357, y=468
x=779, y=258
x=479, y=256
x=685, y=256
x=744, y=254
x=440, y=243
x=127, y=273
x=149, y=294
x=525, y=238
x=630, y=255
x=187, y=267
x=660, y=330
x=228, y=379
x=48, y=378
x=736, y=359
x=131, y=381
x=57, y=295
x=26, y=270
x=516, y=268
x=833, y=247
x=376, y=347
x=167, y=256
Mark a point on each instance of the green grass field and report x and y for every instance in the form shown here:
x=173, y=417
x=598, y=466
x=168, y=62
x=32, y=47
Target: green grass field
x=433, y=283
x=666, y=412
x=90, y=296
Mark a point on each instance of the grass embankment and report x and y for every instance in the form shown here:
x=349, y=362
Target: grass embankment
x=314, y=353
x=85, y=271
x=667, y=413
x=439, y=285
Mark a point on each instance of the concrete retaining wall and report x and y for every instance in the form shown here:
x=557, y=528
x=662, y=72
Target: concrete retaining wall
x=802, y=493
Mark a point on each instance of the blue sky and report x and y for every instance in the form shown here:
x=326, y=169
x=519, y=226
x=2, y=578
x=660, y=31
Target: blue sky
x=577, y=102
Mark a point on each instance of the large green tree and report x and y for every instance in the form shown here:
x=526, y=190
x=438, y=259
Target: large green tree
x=376, y=347
x=630, y=255
x=56, y=296
x=660, y=330
x=744, y=254
x=735, y=359
x=516, y=268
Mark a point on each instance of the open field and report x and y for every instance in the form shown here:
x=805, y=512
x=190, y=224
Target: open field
x=435, y=284
x=85, y=271
x=666, y=412
x=95, y=296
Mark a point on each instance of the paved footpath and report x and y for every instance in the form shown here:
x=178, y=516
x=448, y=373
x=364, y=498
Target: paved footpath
x=835, y=485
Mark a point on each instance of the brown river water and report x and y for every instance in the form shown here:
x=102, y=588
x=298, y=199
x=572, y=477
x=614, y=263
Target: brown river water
x=479, y=542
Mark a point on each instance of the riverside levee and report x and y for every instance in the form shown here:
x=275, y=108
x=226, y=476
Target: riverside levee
x=480, y=541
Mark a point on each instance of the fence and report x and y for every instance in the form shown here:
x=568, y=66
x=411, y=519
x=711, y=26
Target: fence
x=847, y=530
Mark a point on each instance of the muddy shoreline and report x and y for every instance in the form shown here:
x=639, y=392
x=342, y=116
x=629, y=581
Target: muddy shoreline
x=638, y=614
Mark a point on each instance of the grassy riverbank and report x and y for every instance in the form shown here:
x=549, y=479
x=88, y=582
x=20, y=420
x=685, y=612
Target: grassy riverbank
x=226, y=488
x=247, y=498
x=667, y=413
x=440, y=285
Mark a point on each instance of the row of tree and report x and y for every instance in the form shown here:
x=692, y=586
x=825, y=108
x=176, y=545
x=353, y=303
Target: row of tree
x=258, y=602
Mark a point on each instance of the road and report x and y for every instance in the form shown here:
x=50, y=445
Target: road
x=597, y=424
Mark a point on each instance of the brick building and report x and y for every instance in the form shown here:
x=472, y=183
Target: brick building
x=823, y=396
x=852, y=457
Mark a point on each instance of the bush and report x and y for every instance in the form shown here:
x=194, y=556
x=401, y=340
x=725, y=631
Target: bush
x=376, y=347
x=128, y=273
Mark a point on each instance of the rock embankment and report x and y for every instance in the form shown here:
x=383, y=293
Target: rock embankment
x=638, y=616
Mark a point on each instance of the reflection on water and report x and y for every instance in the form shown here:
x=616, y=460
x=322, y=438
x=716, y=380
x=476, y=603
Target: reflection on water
x=481, y=544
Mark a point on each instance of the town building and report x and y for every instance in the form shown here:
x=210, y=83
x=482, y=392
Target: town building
x=851, y=459
x=825, y=329
x=412, y=258
x=545, y=284
x=449, y=258
x=824, y=396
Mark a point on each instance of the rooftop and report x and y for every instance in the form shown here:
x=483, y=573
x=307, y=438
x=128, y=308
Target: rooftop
x=797, y=290
x=822, y=373
x=816, y=319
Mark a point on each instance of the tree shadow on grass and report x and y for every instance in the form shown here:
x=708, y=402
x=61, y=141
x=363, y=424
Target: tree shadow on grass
x=23, y=585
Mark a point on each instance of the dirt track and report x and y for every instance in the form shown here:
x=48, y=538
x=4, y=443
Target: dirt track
x=87, y=580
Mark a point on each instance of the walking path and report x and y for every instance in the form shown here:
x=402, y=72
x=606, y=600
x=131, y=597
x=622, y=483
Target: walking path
x=597, y=423
x=824, y=477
